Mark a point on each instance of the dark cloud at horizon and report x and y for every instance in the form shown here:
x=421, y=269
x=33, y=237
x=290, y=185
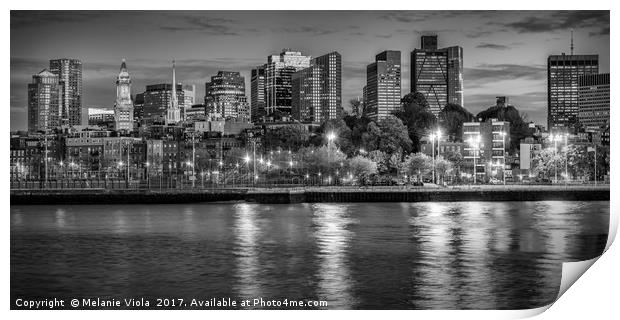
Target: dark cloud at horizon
x=205, y=42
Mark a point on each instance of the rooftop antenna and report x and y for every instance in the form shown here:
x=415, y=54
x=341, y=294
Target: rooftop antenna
x=571, y=42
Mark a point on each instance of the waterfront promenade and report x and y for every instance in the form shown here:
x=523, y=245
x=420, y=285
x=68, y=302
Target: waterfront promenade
x=313, y=194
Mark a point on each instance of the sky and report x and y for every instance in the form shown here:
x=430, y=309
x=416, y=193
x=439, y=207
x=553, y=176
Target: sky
x=505, y=52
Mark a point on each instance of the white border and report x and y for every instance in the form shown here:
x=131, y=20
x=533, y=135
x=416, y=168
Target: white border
x=595, y=294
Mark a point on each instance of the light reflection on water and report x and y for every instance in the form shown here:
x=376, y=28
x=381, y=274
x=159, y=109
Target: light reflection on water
x=247, y=233
x=332, y=237
x=460, y=255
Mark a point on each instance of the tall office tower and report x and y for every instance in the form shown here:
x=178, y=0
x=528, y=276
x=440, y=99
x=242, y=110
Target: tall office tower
x=594, y=102
x=437, y=73
x=138, y=107
x=44, y=95
x=257, y=93
x=455, y=75
x=364, y=99
x=317, y=90
x=278, y=73
x=563, y=72
x=330, y=69
x=383, y=85
x=225, y=95
x=69, y=72
x=173, y=113
x=123, y=107
x=189, y=99
x=157, y=99
x=305, y=95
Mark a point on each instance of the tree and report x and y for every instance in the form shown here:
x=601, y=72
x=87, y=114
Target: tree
x=519, y=128
x=358, y=127
x=418, y=164
x=546, y=162
x=362, y=168
x=380, y=158
x=343, y=135
x=416, y=116
x=443, y=168
x=457, y=161
x=389, y=136
x=324, y=159
x=289, y=137
x=394, y=136
x=451, y=119
x=356, y=107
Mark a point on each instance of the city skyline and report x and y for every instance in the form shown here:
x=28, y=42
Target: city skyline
x=204, y=43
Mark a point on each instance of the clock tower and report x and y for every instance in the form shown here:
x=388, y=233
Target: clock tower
x=123, y=107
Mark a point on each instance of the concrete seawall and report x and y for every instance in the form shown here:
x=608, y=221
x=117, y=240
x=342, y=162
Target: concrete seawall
x=101, y=196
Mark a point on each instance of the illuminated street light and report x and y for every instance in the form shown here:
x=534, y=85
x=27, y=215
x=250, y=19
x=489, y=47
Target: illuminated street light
x=331, y=136
x=475, y=143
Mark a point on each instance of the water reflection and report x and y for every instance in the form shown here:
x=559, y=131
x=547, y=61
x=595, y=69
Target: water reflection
x=332, y=237
x=488, y=255
x=247, y=234
x=60, y=218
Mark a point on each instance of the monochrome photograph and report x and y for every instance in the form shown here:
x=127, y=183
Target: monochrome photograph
x=305, y=159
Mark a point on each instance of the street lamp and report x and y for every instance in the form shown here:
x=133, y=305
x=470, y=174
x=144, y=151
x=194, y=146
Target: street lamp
x=147, y=164
x=475, y=143
x=503, y=134
x=555, y=139
x=331, y=136
x=432, y=136
x=566, y=159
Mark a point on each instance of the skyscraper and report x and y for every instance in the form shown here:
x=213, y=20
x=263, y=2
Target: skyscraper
x=278, y=86
x=306, y=88
x=44, y=102
x=594, y=102
x=383, y=92
x=317, y=90
x=437, y=73
x=189, y=99
x=257, y=93
x=225, y=94
x=157, y=99
x=123, y=107
x=69, y=72
x=455, y=75
x=563, y=72
x=173, y=113
x=138, y=107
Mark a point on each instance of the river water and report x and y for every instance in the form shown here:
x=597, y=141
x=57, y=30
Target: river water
x=447, y=255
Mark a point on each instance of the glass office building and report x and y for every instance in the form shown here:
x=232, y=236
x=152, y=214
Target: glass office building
x=383, y=85
x=437, y=73
x=563, y=72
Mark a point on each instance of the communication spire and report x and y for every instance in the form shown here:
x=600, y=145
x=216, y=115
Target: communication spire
x=571, y=42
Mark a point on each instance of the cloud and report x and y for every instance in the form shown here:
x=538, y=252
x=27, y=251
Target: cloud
x=497, y=72
x=560, y=20
x=211, y=26
x=315, y=31
x=27, y=18
x=423, y=16
x=602, y=32
x=494, y=46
